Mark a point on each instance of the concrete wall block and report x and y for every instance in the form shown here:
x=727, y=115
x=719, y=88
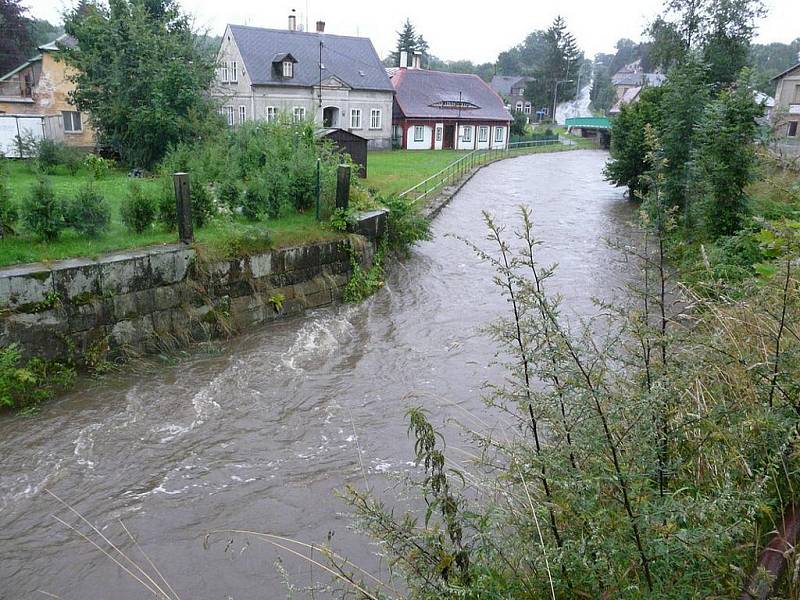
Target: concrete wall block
x=77, y=280
x=300, y=258
x=371, y=224
x=170, y=296
x=125, y=273
x=247, y=311
x=129, y=306
x=261, y=265
x=131, y=334
x=25, y=285
x=38, y=334
x=171, y=263
x=89, y=315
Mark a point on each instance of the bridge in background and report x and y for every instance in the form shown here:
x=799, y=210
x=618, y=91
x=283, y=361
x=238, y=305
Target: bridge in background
x=597, y=128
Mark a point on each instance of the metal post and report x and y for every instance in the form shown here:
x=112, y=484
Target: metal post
x=318, y=189
x=183, y=207
x=343, y=187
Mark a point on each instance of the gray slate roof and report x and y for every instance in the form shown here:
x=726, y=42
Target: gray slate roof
x=353, y=60
x=417, y=90
x=502, y=84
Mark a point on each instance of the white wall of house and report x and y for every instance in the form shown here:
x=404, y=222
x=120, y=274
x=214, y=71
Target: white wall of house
x=425, y=143
x=284, y=99
x=466, y=137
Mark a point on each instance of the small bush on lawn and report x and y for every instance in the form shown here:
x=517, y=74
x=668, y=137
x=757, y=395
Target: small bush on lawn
x=97, y=166
x=51, y=154
x=167, y=208
x=254, y=202
x=88, y=212
x=138, y=209
x=43, y=212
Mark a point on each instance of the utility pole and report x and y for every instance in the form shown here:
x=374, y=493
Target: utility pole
x=320, y=73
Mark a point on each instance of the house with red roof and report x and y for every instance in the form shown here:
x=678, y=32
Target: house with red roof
x=434, y=110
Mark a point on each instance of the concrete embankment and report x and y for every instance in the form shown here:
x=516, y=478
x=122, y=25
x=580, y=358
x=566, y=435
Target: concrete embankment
x=150, y=299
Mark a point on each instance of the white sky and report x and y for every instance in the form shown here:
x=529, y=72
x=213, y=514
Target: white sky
x=455, y=30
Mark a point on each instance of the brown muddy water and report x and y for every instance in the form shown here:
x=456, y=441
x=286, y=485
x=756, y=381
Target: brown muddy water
x=261, y=435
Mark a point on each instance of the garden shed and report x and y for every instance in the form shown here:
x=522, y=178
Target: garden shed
x=354, y=145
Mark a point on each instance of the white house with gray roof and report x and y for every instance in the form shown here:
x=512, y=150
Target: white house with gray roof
x=336, y=80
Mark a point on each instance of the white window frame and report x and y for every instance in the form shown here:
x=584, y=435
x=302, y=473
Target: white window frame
x=233, y=72
x=518, y=106
x=74, y=118
x=299, y=113
x=355, y=118
x=439, y=130
x=421, y=130
x=229, y=115
x=288, y=69
x=499, y=134
x=242, y=113
x=223, y=72
x=375, y=118
x=466, y=136
x=272, y=114
x=527, y=108
x=483, y=134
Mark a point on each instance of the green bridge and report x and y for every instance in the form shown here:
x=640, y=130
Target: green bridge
x=597, y=128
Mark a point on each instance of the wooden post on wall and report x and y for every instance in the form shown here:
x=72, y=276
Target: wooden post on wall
x=343, y=187
x=183, y=206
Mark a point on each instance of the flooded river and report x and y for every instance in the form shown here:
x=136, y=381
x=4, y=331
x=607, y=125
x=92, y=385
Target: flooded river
x=259, y=435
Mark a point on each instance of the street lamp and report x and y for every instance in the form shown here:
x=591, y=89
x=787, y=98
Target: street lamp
x=555, y=97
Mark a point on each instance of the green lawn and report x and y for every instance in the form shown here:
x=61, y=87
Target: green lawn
x=395, y=171
x=221, y=235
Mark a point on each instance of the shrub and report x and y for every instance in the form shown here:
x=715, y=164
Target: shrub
x=406, y=224
x=167, y=208
x=88, y=212
x=254, y=203
x=43, y=212
x=138, y=209
x=38, y=380
x=203, y=207
x=49, y=154
x=229, y=193
x=8, y=209
x=97, y=166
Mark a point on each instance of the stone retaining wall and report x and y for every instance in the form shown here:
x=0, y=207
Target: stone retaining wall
x=155, y=298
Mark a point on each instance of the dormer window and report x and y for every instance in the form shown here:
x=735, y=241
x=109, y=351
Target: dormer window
x=283, y=66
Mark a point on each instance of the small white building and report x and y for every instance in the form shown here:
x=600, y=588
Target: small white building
x=434, y=110
x=336, y=80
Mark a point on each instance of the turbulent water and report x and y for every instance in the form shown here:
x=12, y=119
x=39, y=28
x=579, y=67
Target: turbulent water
x=260, y=435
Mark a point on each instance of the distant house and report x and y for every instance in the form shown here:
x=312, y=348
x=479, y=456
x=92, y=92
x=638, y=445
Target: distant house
x=512, y=90
x=39, y=89
x=436, y=110
x=629, y=82
x=786, y=113
x=633, y=76
x=338, y=81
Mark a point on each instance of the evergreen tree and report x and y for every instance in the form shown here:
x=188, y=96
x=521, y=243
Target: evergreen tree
x=16, y=44
x=409, y=41
x=724, y=158
x=561, y=59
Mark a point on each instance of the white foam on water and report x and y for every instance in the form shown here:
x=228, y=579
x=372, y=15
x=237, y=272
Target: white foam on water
x=318, y=338
x=84, y=444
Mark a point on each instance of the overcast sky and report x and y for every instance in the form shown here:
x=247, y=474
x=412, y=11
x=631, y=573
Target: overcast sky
x=465, y=30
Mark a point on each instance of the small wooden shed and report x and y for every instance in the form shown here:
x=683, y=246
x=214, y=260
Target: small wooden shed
x=354, y=145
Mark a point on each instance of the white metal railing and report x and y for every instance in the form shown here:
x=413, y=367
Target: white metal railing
x=463, y=165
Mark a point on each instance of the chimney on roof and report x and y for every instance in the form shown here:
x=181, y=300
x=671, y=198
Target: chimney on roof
x=417, y=60
x=292, y=21
x=320, y=26
x=403, y=59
